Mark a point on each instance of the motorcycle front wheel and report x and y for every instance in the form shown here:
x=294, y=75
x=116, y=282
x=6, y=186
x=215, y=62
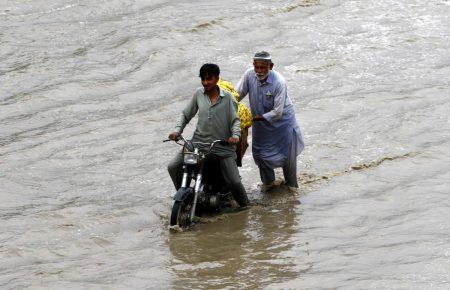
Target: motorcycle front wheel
x=181, y=211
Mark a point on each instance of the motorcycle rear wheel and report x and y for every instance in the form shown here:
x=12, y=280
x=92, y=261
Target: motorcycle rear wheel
x=180, y=216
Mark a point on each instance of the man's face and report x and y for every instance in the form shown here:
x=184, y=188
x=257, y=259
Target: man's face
x=262, y=68
x=209, y=82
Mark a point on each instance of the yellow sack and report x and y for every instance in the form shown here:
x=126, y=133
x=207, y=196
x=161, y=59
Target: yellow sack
x=244, y=113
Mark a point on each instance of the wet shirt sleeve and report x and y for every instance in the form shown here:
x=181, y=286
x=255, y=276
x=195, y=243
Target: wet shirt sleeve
x=235, y=122
x=187, y=114
x=242, y=86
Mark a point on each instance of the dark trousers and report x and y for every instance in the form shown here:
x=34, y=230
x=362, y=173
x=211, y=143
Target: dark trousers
x=229, y=171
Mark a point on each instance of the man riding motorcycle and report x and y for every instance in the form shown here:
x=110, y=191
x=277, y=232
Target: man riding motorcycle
x=217, y=120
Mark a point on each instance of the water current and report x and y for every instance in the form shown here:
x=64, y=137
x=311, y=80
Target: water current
x=89, y=89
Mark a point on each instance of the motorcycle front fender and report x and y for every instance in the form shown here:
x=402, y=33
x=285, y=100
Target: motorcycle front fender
x=183, y=193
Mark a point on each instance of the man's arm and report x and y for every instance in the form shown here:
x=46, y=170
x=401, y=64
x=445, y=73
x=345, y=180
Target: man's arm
x=242, y=86
x=235, y=123
x=187, y=114
x=278, y=106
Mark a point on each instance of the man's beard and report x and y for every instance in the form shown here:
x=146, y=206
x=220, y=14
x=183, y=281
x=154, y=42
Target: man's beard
x=261, y=77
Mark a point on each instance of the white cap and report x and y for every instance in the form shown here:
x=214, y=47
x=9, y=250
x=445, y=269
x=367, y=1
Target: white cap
x=262, y=55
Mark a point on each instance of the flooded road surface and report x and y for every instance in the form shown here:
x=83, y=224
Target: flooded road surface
x=89, y=89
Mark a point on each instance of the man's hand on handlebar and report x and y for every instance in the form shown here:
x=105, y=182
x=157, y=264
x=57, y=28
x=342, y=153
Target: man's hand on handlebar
x=174, y=136
x=233, y=141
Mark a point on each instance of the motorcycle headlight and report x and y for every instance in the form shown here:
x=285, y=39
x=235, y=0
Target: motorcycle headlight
x=190, y=158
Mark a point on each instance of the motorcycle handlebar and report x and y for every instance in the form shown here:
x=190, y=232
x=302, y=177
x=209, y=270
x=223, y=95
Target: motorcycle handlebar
x=179, y=137
x=212, y=144
x=221, y=142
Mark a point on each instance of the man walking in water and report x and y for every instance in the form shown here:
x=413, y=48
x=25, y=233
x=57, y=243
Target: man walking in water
x=277, y=140
x=217, y=119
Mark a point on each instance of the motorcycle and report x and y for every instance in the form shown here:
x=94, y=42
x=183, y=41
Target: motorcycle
x=202, y=188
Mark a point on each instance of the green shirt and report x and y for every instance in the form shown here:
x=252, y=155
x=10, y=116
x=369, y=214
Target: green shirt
x=218, y=121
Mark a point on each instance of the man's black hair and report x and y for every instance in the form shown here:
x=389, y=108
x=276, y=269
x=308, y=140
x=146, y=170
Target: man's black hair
x=209, y=69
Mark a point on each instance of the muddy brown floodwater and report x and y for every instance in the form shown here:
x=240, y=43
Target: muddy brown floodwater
x=89, y=89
